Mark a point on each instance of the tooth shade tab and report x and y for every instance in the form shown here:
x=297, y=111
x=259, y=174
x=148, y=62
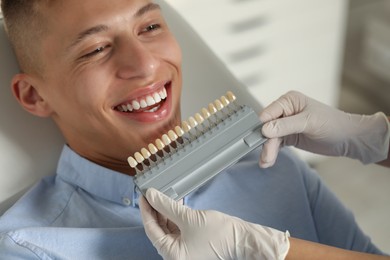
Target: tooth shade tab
x=218, y=104
x=186, y=126
x=132, y=162
x=145, y=153
x=192, y=122
x=206, y=114
x=179, y=131
x=139, y=157
x=166, y=139
x=172, y=135
x=152, y=148
x=160, y=145
x=231, y=97
x=225, y=101
x=199, y=118
x=212, y=109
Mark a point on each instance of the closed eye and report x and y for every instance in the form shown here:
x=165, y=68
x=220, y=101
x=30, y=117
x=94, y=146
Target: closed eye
x=95, y=52
x=151, y=27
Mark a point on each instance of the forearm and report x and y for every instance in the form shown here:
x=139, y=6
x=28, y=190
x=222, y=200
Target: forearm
x=302, y=250
x=386, y=162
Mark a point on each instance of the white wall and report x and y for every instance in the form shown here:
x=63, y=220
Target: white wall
x=273, y=46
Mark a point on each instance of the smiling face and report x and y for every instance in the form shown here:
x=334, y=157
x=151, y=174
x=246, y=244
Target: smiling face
x=111, y=77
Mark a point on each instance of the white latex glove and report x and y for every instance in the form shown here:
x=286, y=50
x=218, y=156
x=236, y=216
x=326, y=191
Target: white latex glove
x=179, y=232
x=295, y=119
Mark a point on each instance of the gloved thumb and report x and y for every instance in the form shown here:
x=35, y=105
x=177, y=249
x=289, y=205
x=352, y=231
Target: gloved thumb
x=270, y=152
x=166, y=206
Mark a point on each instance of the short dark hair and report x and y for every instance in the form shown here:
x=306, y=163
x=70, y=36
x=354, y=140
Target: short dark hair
x=25, y=26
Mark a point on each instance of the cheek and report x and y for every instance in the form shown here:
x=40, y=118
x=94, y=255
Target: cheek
x=171, y=51
x=175, y=53
x=84, y=92
x=90, y=84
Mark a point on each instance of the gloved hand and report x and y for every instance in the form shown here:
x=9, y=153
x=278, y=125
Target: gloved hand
x=295, y=119
x=179, y=232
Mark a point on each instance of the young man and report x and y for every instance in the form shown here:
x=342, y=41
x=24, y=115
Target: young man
x=109, y=75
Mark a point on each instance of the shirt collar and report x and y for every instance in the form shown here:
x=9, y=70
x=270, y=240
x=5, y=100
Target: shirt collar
x=95, y=179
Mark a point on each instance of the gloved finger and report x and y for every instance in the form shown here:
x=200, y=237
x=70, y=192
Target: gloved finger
x=269, y=152
x=150, y=219
x=166, y=206
x=166, y=225
x=162, y=221
x=271, y=112
x=289, y=104
x=286, y=126
x=173, y=228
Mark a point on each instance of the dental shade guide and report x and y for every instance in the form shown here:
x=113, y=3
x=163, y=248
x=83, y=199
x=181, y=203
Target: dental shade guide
x=190, y=155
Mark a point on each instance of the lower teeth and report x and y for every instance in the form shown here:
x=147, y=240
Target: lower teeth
x=153, y=109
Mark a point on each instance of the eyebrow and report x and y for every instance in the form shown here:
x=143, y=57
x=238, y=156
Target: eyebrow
x=101, y=28
x=147, y=8
x=85, y=34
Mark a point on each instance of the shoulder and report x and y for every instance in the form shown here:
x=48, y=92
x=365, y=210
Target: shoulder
x=39, y=206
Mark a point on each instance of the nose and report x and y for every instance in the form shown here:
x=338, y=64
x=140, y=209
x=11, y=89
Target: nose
x=136, y=59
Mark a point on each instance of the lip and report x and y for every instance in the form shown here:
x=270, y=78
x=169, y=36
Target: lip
x=161, y=113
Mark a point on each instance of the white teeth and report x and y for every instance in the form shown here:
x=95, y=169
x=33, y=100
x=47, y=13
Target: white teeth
x=149, y=100
x=154, y=109
x=163, y=94
x=157, y=97
x=143, y=103
x=136, y=105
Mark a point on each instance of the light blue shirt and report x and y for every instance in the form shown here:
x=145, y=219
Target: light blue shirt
x=87, y=211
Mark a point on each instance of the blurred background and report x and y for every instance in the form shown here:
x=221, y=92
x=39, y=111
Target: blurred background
x=336, y=51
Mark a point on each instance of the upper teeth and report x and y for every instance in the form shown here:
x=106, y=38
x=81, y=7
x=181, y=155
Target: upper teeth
x=143, y=102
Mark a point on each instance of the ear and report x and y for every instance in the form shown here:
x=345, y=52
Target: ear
x=28, y=96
